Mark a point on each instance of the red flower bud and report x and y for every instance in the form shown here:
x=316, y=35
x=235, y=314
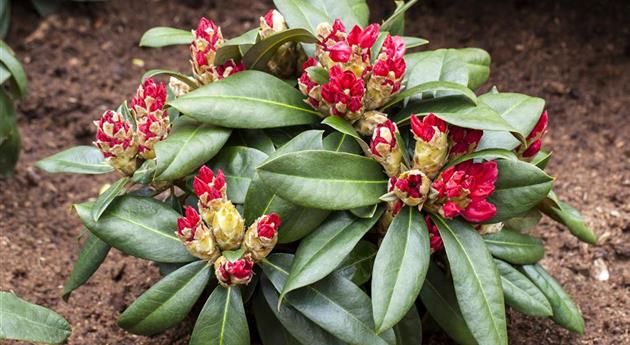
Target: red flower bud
x=435, y=240
x=426, y=128
x=268, y=225
x=262, y=236
x=187, y=226
x=431, y=147
x=463, y=140
x=344, y=93
x=384, y=148
x=269, y=18
x=209, y=187
x=363, y=38
x=196, y=236
x=308, y=86
x=534, y=139
x=151, y=129
x=227, y=69
x=462, y=190
x=115, y=139
x=150, y=97
x=412, y=187
x=233, y=273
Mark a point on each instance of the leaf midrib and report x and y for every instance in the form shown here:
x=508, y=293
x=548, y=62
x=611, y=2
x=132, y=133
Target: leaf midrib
x=253, y=99
x=116, y=215
x=512, y=244
x=34, y=322
x=225, y=311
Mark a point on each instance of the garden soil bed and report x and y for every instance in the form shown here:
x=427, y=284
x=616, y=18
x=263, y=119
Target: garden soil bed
x=85, y=59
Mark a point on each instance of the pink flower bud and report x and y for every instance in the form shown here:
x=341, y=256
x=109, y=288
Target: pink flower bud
x=149, y=99
x=115, y=139
x=384, y=148
x=271, y=23
x=462, y=190
x=308, y=86
x=412, y=187
x=196, y=236
x=534, y=139
x=363, y=38
x=463, y=140
x=344, y=94
x=262, y=236
x=238, y=272
x=227, y=69
x=211, y=191
x=431, y=144
x=435, y=240
x=151, y=130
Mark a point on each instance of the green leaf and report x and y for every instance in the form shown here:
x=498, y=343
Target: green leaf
x=297, y=221
x=21, y=320
x=487, y=155
x=297, y=325
x=145, y=173
x=222, y=320
x=231, y=49
x=270, y=330
x=520, y=111
x=324, y=249
x=569, y=217
x=138, y=226
x=9, y=135
x=76, y=160
x=476, y=280
x=188, y=146
x=238, y=163
x=520, y=293
x=92, y=254
x=168, y=302
x=351, y=12
x=433, y=87
x=182, y=77
x=524, y=222
x=541, y=159
x=565, y=312
x=335, y=303
x=439, y=298
x=307, y=178
x=398, y=14
x=365, y=211
x=301, y=14
x=254, y=138
x=5, y=18
x=519, y=188
x=436, y=65
x=341, y=125
x=514, y=247
x=106, y=198
x=409, y=330
x=412, y=42
x=318, y=75
x=339, y=142
x=399, y=268
x=10, y=61
x=260, y=53
x=249, y=99
x=478, y=64
x=162, y=36
x=357, y=266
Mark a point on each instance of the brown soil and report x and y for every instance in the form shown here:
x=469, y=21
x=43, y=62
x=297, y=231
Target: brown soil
x=79, y=63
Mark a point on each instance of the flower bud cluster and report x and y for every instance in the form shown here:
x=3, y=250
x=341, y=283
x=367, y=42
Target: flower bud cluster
x=121, y=144
x=534, y=139
x=207, y=38
x=219, y=227
x=355, y=85
x=288, y=57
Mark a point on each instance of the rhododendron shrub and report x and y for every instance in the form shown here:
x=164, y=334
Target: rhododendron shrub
x=327, y=180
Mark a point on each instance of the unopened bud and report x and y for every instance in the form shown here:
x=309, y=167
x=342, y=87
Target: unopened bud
x=228, y=227
x=463, y=141
x=149, y=100
x=344, y=94
x=262, y=236
x=150, y=131
x=207, y=39
x=534, y=139
x=412, y=187
x=385, y=149
x=178, y=87
x=431, y=144
x=238, y=272
x=196, y=236
x=368, y=122
x=284, y=62
x=387, y=73
x=272, y=22
x=211, y=191
x=115, y=139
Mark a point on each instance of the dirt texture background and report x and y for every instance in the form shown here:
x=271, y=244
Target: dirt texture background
x=80, y=62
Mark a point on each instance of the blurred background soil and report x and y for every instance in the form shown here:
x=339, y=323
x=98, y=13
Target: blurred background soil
x=85, y=59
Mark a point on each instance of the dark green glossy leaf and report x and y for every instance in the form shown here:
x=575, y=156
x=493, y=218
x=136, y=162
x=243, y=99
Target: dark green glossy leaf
x=442, y=105
x=297, y=221
x=13, y=65
x=106, y=198
x=168, y=302
x=365, y=211
x=182, y=77
x=519, y=188
x=520, y=111
x=260, y=53
x=76, y=160
x=436, y=65
x=339, y=142
x=269, y=327
x=357, y=266
x=301, y=14
x=398, y=14
x=240, y=102
x=139, y=226
x=409, y=330
x=168, y=268
x=92, y=254
x=222, y=320
x=438, y=296
x=488, y=155
x=478, y=64
x=514, y=247
x=524, y=222
x=399, y=268
x=303, y=330
x=188, y=146
x=568, y=216
x=307, y=178
x=541, y=159
x=324, y=249
x=145, y=173
x=565, y=312
x=21, y=320
x=433, y=87
x=238, y=163
x=335, y=304
x=412, y=42
x=9, y=135
x=162, y=36
x=351, y=12
x=520, y=293
x=341, y=125
x=254, y=138
x=476, y=280
x=5, y=18
x=232, y=48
